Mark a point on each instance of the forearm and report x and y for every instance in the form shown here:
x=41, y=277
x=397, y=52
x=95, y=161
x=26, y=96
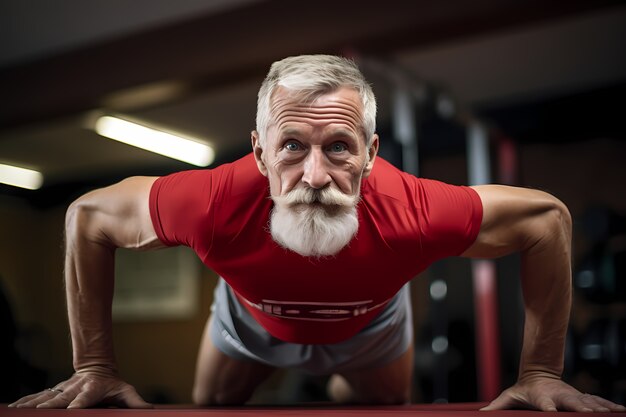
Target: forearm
x=95, y=225
x=538, y=226
x=89, y=292
x=546, y=285
x=89, y=283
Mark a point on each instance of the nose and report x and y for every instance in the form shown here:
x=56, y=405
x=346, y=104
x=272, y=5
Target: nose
x=316, y=174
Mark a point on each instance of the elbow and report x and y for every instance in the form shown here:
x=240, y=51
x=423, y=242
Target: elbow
x=552, y=226
x=74, y=224
x=81, y=221
x=72, y=216
x=77, y=216
x=562, y=219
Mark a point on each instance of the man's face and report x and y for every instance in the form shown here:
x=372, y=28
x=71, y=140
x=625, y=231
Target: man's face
x=315, y=156
x=316, y=145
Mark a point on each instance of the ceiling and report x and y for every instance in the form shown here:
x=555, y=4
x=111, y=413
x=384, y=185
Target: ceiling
x=196, y=66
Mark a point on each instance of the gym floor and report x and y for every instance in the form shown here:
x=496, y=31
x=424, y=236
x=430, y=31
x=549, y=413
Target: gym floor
x=433, y=410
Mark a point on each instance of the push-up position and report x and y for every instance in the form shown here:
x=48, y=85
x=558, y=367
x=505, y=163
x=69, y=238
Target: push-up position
x=315, y=239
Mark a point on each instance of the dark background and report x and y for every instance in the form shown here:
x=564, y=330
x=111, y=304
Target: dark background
x=546, y=79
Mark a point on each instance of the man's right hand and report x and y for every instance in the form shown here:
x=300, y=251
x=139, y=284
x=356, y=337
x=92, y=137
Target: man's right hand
x=86, y=389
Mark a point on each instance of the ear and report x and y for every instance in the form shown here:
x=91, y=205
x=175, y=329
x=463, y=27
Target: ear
x=257, y=150
x=372, y=152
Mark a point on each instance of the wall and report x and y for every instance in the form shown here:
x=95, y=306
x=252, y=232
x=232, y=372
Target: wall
x=30, y=269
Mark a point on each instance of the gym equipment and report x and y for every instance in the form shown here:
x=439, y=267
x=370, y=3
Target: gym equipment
x=602, y=349
x=601, y=276
x=600, y=223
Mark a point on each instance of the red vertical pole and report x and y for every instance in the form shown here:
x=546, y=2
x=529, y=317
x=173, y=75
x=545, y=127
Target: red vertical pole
x=507, y=160
x=487, y=331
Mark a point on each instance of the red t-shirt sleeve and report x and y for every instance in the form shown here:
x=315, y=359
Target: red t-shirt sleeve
x=450, y=218
x=180, y=209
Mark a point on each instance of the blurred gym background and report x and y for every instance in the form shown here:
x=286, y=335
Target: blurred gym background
x=529, y=93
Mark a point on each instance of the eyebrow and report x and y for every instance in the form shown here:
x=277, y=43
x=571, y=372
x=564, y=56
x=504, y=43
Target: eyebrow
x=290, y=131
x=344, y=134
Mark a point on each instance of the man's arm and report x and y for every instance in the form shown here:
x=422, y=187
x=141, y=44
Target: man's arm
x=96, y=224
x=538, y=226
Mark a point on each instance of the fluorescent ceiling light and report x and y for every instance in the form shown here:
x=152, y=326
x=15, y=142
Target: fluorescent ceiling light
x=20, y=177
x=167, y=144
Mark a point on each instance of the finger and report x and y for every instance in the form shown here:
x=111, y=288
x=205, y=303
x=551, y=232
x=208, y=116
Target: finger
x=593, y=402
x=85, y=399
x=25, y=399
x=545, y=404
x=617, y=407
x=34, y=400
x=504, y=401
x=131, y=399
x=62, y=395
x=598, y=404
x=581, y=403
x=59, y=400
x=607, y=404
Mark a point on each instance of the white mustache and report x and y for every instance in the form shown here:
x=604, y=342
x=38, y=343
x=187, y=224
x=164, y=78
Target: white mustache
x=327, y=196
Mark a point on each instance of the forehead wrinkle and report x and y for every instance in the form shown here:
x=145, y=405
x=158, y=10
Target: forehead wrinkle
x=326, y=108
x=339, y=110
x=350, y=117
x=315, y=121
x=335, y=118
x=339, y=104
x=317, y=113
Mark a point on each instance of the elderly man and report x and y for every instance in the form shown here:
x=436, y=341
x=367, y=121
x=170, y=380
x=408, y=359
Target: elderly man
x=316, y=240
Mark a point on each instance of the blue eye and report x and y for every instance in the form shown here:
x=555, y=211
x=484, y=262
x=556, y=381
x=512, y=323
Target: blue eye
x=292, y=146
x=338, y=147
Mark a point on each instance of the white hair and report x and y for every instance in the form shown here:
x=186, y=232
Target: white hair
x=311, y=76
x=314, y=230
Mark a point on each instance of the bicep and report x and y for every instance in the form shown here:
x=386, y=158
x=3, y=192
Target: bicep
x=116, y=216
x=515, y=219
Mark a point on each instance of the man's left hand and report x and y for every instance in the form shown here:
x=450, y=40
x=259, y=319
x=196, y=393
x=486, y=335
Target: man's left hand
x=550, y=394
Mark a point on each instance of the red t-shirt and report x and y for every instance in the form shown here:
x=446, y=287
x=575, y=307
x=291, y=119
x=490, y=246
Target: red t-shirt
x=405, y=224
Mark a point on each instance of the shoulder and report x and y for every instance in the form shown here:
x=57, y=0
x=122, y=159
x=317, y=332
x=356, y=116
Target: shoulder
x=442, y=212
x=234, y=178
x=184, y=205
x=388, y=183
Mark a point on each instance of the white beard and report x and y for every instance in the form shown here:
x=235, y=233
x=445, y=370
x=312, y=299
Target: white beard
x=314, y=223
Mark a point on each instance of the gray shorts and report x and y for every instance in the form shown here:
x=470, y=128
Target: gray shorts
x=235, y=332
